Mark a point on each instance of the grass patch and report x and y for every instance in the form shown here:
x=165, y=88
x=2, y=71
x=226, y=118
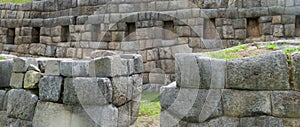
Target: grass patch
x=229, y=53
x=15, y=1
x=1, y=58
x=271, y=47
x=150, y=105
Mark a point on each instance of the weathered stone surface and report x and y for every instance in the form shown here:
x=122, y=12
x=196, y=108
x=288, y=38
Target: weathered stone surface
x=246, y=103
x=123, y=88
x=93, y=91
x=21, y=64
x=69, y=95
x=168, y=120
x=74, y=68
x=138, y=62
x=50, y=88
x=187, y=71
x=33, y=68
x=3, y=118
x=286, y=104
x=291, y=122
x=108, y=66
x=296, y=70
x=11, y=122
x=32, y=79
x=16, y=80
x=261, y=121
x=102, y=53
x=212, y=72
x=217, y=122
x=53, y=114
x=21, y=104
x=52, y=67
x=3, y=100
x=6, y=68
x=258, y=73
x=168, y=95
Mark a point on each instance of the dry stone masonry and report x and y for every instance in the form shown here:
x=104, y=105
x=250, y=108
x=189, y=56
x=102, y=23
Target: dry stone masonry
x=252, y=91
x=156, y=29
x=104, y=91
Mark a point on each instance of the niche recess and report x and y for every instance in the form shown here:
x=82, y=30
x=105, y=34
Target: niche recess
x=169, y=32
x=209, y=31
x=297, y=26
x=130, y=32
x=10, y=36
x=253, y=30
x=65, y=34
x=36, y=34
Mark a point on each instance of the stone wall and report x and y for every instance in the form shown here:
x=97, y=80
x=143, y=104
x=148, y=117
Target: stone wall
x=252, y=91
x=73, y=93
x=155, y=29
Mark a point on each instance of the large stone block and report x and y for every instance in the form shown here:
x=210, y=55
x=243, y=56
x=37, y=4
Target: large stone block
x=259, y=73
x=50, y=88
x=286, y=104
x=246, y=103
x=75, y=68
x=93, y=91
x=261, y=121
x=32, y=79
x=296, y=70
x=187, y=71
x=6, y=67
x=21, y=64
x=69, y=95
x=108, y=66
x=138, y=62
x=122, y=90
x=52, y=67
x=16, y=80
x=12, y=122
x=21, y=104
x=58, y=115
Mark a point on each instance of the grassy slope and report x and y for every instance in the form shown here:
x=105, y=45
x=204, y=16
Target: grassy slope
x=15, y=1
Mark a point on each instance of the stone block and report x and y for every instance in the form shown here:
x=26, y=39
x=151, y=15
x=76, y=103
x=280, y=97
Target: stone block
x=6, y=69
x=266, y=28
x=187, y=71
x=31, y=79
x=3, y=100
x=289, y=30
x=108, y=66
x=21, y=64
x=12, y=122
x=278, y=31
x=16, y=80
x=217, y=122
x=180, y=49
x=52, y=67
x=21, y=104
x=260, y=121
x=74, y=68
x=165, y=53
x=239, y=23
x=37, y=49
x=286, y=104
x=240, y=34
x=123, y=89
x=50, y=88
x=296, y=70
x=93, y=91
x=291, y=122
x=288, y=19
x=69, y=95
x=228, y=32
x=137, y=60
x=246, y=103
x=258, y=73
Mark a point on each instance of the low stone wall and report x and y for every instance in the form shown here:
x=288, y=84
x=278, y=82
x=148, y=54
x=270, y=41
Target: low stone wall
x=73, y=93
x=252, y=91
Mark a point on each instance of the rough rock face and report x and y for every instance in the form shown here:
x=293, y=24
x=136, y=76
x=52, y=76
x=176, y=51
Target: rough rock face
x=31, y=79
x=21, y=104
x=258, y=73
x=50, y=88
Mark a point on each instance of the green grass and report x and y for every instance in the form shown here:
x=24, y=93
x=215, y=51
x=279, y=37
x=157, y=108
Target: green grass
x=271, y=47
x=15, y=1
x=227, y=53
x=150, y=105
x=2, y=58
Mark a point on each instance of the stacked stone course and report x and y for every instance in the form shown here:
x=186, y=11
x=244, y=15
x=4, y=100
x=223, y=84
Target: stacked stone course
x=253, y=91
x=104, y=91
